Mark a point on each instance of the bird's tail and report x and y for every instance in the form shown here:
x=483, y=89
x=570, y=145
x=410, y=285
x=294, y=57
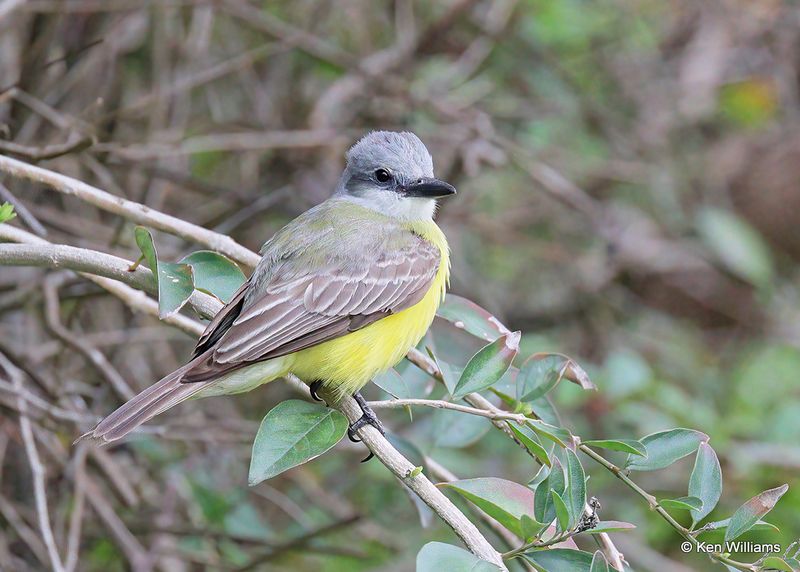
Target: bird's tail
x=156, y=399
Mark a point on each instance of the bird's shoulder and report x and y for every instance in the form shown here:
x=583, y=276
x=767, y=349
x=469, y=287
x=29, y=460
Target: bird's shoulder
x=341, y=233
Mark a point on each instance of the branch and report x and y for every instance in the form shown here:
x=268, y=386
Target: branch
x=129, y=210
x=206, y=305
x=37, y=469
x=408, y=474
x=651, y=500
x=441, y=404
x=401, y=467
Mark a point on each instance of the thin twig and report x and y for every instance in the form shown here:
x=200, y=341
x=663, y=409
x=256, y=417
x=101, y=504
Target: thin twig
x=37, y=469
x=129, y=210
x=441, y=404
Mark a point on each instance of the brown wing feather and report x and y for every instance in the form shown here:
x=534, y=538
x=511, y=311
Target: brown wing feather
x=304, y=311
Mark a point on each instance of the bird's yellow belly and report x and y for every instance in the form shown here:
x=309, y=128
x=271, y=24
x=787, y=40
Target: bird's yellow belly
x=348, y=363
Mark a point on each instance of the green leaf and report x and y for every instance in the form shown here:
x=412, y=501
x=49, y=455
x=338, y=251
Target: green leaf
x=575, y=494
x=737, y=244
x=599, y=563
x=562, y=512
x=393, y=383
x=776, y=563
x=560, y=560
x=487, y=366
x=447, y=371
x=543, y=508
x=543, y=371
x=629, y=446
x=531, y=442
x=610, y=526
x=557, y=435
x=454, y=429
x=437, y=556
x=6, y=212
x=666, y=447
x=683, y=503
x=292, y=433
x=750, y=512
x=706, y=481
x=215, y=274
x=530, y=528
x=538, y=375
x=715, y=527
x=540, y=475
x=175, y=281
x=503, y=500
x=470, y=317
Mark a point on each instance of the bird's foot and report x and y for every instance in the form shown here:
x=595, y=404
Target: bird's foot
x=313, y=388
x=368, y=417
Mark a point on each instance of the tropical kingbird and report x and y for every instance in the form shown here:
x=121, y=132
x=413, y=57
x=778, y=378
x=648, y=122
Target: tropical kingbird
x=341, y=293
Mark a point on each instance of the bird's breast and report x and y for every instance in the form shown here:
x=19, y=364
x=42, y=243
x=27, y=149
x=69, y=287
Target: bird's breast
x=346, y=364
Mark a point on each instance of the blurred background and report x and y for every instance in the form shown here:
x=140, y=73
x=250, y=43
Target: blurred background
x=628, y=195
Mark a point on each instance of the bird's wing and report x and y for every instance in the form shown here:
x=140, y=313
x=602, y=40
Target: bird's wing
x=300, y=310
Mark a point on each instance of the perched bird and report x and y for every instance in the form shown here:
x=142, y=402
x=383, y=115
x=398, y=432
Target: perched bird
x=341, y=293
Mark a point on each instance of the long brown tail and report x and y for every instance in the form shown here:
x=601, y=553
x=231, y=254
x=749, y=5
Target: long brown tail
x=156, y=399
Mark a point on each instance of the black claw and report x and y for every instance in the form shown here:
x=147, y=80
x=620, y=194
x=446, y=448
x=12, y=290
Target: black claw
x=313, y=388
x=368, y=417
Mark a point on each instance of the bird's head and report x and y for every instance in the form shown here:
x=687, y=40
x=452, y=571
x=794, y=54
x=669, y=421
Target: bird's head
x=392, y=173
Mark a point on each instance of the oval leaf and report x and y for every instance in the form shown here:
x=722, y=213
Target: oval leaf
x=215, y=274
x=683, y=503
x=487, y=366
x=175, y=281
x=437, y=556
x=737, y=244
x=446, y=369
x=503, y=500
x=560, y=560
x=610, y=526
x=557, y=435
x=292, y=433
x=531, y=442
x=714, y=528
x=706, y=481
x=777, y=563
x=562, y=512
x=539, y=374
x=393, y=383
x=175, y=287
x=630, y=446
x=454, y=429
x=748, y=514
x=599, y=563
x=530, y=528
x=666, y=447
x=575, y=493
x=543, y=508
x=468, y=316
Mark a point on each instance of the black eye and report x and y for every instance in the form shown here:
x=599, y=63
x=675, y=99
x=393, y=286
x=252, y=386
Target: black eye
x=383, y=176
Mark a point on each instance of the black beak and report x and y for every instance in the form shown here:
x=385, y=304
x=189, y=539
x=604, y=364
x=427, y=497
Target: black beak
x=429, y=188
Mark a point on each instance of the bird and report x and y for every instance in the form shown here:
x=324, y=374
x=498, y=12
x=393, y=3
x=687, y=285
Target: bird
x=340, y=295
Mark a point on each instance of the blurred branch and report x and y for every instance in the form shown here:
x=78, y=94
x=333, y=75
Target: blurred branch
x=401, y=467
x=76, y=342
x=134, y=299
x=37, y=469
x=72, y=145
x=129, y=210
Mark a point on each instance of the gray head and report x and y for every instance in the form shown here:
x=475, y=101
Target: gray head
x=392, y=173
